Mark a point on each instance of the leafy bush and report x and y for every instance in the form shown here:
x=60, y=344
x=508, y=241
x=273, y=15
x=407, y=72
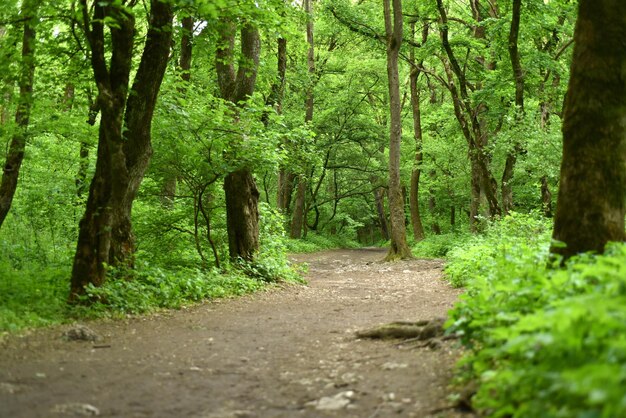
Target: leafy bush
x=316, y=242
x=31, y=297
x=153, y=288
x=541, y=341
x=438, y=246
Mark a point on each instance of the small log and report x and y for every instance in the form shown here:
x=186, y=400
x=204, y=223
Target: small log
x=417, y=331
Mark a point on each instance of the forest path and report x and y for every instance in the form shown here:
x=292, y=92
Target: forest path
x=288, y=352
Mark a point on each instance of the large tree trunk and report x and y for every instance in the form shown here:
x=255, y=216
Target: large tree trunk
x=242, y=195
x=592, y=194
x=15, y=156
x=242, y=216
x=124, y=149
x=399, y=248
x=140, y=107
x=470, y=125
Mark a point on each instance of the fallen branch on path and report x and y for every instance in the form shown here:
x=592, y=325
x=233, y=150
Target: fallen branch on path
x=430, y=332
x=418, y=331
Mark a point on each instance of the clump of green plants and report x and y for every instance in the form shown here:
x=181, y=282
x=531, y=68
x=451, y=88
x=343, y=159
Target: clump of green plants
x=438, y=246
x=31, y=296
x=542, y=340
x=518, y=239
x=317, y=242
x=152, y=288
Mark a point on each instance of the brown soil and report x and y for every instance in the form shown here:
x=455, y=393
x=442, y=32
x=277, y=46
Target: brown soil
x=285, y=352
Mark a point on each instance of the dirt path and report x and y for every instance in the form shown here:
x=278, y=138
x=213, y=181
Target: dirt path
x=287, y=352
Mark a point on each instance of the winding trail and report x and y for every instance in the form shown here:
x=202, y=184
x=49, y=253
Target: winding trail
x=287, y=352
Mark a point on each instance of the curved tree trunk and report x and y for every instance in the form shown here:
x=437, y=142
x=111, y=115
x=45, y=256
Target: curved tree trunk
x=518, y=75
x=399, y=248
x=15, y=156
x=140, y=107
x=416, y=219
x=124, y=149
x=300, y=209
x=592, y=194
x=242, y=195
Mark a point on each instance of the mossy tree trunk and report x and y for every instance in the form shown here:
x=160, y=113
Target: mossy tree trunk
x=242, y=195
x=591, y=200
x=124, y=147
x=399, y=249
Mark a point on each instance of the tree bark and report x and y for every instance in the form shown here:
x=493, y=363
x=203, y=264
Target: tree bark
x=242, y=217
x=298, y=210
x=15, y=156
x=124, y=148
x=300, y=205
x=518, y=76
x=137, y=145
x=242, y=195
x=471, y=127
x=379, y=196
x=416, y=219
x=546, y=197
x=399, y=248
x=592, y=194
x=432, y=207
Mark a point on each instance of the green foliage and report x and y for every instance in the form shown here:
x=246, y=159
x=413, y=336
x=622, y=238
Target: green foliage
x=513, y=240
x=31, y=296
x=541, y=341
x=150, y=288
x=438, y=246
x=317, y=242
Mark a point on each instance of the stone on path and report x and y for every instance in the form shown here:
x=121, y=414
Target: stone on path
x=333, y=403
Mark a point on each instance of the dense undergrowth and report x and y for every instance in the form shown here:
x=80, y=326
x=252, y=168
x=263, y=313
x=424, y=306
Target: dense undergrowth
x=34, y=280
x=542, y=341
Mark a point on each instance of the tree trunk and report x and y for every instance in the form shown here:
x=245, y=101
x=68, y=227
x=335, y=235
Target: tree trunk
x=242, y=215
x=416, y=219
x=379, y=195
x=242, y=195
x=432, y=207
x=300, y=207
x=138, y=123
x=15, y=156
x=591, y=200
x=468, y=120
x=124, y=148
x=546, y=197
x=285, y=190
x=298, y=220
x=518, y=76
x=285, y=178
x=399, y=248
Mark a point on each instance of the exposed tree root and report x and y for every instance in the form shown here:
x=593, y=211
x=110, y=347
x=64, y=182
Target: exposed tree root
x=419, y=330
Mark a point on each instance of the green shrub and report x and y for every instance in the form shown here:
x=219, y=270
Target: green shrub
x=542, y=342
x=31, y=296
x=438, y=246
x=316, y=242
